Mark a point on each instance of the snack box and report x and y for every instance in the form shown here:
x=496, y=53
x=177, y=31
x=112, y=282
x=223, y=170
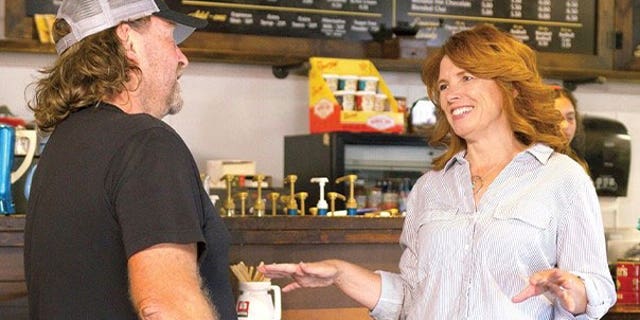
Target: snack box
x=344, y=96
x=628, y=297
x=628, y=276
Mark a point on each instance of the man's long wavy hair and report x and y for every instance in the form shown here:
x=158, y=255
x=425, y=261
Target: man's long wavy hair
x=489, y=53
x=87, y=72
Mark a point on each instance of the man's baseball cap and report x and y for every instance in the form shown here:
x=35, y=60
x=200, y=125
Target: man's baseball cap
x=87, y=17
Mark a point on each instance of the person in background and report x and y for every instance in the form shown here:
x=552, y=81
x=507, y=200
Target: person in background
x=506, y=226
x=118, y=224
x=566, y=103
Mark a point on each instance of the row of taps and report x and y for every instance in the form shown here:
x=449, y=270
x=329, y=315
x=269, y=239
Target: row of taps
x=322, y=208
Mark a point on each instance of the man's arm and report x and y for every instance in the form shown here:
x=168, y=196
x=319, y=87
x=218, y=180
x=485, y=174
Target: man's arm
x=165, y=284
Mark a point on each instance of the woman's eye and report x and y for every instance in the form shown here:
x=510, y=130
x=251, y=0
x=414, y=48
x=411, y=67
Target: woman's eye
x=441, y=87
x=467, y=78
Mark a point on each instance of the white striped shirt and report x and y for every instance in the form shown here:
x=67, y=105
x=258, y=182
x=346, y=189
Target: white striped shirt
x=463, y=262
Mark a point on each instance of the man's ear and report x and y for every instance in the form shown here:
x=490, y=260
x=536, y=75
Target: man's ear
x=126, y=35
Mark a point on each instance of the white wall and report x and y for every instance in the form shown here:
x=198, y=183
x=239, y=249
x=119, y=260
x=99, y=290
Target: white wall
x=243, y=112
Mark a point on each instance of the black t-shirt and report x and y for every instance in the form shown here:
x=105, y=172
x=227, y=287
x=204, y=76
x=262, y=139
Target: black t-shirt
x=110, y=184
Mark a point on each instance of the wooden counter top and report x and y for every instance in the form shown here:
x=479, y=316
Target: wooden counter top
x=285, y=230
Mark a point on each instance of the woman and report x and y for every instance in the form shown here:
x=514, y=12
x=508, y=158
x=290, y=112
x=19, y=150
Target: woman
x=567, y=104
x=505, y=226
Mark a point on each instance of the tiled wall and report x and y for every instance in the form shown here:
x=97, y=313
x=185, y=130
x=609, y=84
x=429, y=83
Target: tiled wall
x=243, y=112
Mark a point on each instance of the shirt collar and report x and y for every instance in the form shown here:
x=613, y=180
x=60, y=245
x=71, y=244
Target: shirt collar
x=539, y=151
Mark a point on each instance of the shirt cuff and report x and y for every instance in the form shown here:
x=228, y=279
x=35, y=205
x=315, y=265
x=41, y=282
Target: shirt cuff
x=389, y=304
x=597, y=304
x=597, y=300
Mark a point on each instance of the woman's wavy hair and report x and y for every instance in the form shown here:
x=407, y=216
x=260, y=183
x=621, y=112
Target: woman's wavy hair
x=489, y=53
x=93, y=68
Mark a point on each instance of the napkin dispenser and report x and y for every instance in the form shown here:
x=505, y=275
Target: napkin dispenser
x=607, y=150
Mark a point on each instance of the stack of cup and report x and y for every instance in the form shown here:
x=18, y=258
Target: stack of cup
x=355, y=93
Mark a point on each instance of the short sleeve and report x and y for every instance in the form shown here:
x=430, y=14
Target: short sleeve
x=154, y=191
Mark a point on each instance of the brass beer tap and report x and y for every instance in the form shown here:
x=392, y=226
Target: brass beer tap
x=274, y=202
x=259, y=205
x=302, y=196
x=229, y=207
x=243, y=199
x=332, y=201
x=292, y=206
x=351, y=204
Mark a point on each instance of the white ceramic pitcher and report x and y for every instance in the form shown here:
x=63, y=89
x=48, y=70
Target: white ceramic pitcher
x=255, y=303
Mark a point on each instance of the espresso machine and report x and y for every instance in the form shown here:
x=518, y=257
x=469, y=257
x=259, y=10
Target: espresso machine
x=11, y=140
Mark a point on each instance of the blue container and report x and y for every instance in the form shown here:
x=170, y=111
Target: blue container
x=7, y=148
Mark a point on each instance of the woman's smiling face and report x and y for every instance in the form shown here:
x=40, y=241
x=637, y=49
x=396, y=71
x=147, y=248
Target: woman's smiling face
x=472, y=105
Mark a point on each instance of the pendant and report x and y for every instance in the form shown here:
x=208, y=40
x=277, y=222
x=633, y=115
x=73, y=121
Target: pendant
x=476, y=183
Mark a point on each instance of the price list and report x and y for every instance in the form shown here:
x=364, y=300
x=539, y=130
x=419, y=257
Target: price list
x=565, y=26
x=327, y=19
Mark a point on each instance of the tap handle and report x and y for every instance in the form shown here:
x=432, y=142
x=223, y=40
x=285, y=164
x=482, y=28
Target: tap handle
x=274, y=202
x=258, y=178
x=332, y=201
x=243, y=199
x=302, y=196
x=290, y=178
x=350, y=177
x=228, y=178
x=335, y=195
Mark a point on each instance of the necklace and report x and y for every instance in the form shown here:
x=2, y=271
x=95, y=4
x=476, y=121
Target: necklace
x=477, y=181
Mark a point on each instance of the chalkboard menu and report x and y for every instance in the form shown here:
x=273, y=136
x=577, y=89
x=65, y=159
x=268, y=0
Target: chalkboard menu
x=327, y=19
x=567, y=26
x=563, y=26
x=546, y=25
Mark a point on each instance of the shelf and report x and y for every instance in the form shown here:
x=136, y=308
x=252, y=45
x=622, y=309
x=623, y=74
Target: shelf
x=246, y=50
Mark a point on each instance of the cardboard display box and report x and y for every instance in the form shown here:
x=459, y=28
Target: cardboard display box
x=350, y=95
x=628, y=281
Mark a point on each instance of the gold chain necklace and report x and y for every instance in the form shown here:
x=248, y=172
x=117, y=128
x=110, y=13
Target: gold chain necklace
x=477, y=181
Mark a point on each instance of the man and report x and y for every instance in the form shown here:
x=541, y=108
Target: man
x=118, y=224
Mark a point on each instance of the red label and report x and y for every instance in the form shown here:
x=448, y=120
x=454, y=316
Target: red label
x=628, y=269
x=242, y=308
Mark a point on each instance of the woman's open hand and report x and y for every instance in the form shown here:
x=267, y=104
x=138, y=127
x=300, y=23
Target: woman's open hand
x=568, y=288
x=305, y=275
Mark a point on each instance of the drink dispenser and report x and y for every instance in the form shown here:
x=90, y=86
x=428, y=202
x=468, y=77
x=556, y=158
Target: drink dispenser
x=8, y=137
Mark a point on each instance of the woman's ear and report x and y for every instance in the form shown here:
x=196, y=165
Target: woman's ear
x=126, y=35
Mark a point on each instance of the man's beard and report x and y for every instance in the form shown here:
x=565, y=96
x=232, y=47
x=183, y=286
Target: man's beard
x=175, y=100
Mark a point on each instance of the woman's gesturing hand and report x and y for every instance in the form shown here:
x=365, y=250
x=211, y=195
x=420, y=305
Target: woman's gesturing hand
x=566, y=287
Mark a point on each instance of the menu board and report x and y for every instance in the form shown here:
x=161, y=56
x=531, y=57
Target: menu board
x=546, y=25
x=564, y=26
x=326, y=19
x=567, y=26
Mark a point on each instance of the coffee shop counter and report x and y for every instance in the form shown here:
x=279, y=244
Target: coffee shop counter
x=370, y=242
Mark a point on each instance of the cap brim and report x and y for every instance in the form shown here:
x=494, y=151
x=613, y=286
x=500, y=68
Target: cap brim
x=185, y=24
x=178, y=17
x=182, y=18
